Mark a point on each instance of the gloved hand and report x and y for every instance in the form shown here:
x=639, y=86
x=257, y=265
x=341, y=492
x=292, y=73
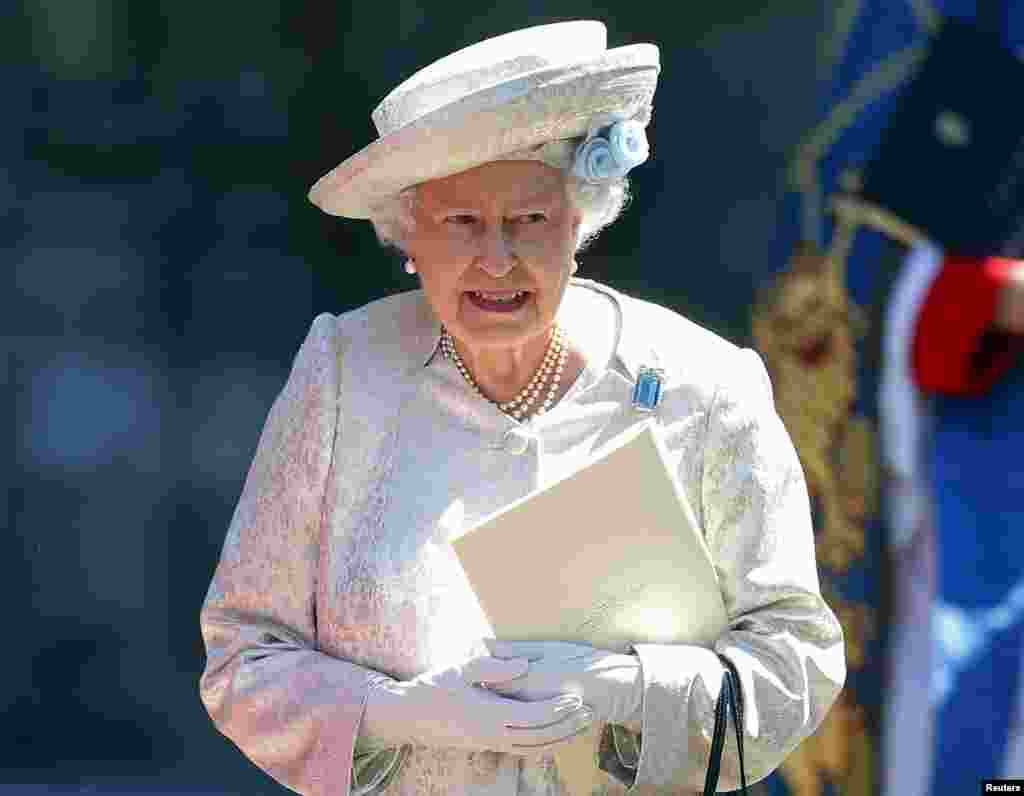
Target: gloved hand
x=609, y=683
x=447, y=708
x=1010, y=306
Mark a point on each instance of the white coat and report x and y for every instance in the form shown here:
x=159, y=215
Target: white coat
x=336, y=564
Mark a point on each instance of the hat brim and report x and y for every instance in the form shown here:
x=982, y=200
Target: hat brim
x=540, y=106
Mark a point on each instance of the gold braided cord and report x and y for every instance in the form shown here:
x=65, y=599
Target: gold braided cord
x=889, y=74
x=835, y=45
x=927, y=14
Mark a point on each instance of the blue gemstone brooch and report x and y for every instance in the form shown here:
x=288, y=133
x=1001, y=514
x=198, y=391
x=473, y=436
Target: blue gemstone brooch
x=647, y=390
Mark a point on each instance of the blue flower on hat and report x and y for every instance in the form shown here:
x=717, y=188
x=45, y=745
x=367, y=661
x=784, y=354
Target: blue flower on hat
x=595, y=162
x=611, y=151
x=628, y=143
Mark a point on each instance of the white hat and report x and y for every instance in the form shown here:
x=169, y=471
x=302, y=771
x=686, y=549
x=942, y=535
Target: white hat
x=491, y=99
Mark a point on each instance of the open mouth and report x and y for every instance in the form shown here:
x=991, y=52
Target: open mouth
x=498, y=300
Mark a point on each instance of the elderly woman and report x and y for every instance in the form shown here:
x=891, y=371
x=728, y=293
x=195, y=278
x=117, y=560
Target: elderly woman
x=346, y=651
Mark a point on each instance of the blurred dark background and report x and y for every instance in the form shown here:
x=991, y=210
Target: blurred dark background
x=164, y=265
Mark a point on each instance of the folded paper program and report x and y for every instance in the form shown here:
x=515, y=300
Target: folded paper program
x=666, y=591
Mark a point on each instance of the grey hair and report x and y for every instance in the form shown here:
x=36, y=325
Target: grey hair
x=600, y=203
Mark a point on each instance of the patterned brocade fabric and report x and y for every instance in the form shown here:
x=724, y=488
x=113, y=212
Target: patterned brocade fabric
x=336, y=566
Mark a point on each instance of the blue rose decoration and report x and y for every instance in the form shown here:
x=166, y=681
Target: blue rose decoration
x=628, y=143
x=594, y=161
x=611, y=152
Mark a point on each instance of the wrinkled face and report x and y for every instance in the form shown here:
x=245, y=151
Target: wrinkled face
x=504, y=226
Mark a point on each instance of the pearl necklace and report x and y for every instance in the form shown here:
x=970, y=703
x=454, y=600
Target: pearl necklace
x=553, y=365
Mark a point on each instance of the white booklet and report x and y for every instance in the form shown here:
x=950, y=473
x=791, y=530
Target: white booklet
x=610, y=555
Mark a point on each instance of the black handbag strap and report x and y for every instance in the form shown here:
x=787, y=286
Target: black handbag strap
x=730, y=699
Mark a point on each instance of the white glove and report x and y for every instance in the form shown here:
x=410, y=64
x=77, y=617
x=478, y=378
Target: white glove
x=446, y=708
x=1010, y=307
x=609, y=683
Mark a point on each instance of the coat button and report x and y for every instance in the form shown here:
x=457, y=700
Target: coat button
x=516, y=441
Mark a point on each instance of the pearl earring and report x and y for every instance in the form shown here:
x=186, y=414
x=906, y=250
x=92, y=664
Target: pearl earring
x=410, y=267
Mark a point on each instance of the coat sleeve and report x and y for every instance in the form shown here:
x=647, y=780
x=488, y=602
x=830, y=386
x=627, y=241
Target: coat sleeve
x=292, y=710
x=956, y=348
x=783, y=639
